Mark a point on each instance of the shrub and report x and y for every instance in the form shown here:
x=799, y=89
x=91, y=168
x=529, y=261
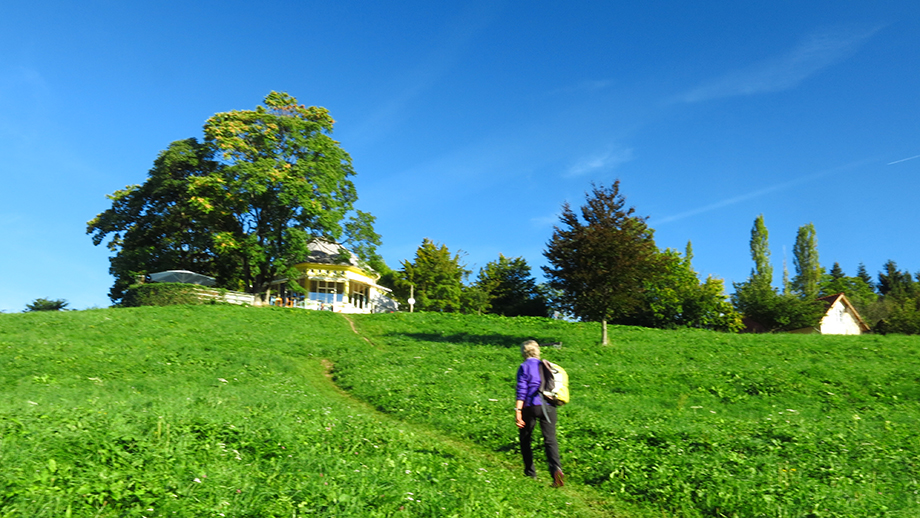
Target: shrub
x=163, y=294
x=46, y=305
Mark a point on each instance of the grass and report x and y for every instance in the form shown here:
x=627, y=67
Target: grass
x=227, y=411
x=219, y=411
x=689, y=423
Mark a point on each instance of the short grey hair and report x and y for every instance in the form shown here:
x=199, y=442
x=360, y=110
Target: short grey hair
x=530, y=349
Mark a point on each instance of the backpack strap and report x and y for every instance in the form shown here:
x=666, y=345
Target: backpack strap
x=546, y=377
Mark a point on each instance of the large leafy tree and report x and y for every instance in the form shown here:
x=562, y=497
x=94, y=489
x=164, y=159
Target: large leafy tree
x=156, y=226
x=284, y=181
x=675, y=297
x=243, y=205
x=511, y=289
x=600, y=259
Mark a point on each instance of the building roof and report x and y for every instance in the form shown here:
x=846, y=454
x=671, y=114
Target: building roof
x=328, y=252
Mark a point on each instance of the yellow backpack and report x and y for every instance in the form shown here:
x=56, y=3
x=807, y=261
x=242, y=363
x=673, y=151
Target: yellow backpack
x=554, y=383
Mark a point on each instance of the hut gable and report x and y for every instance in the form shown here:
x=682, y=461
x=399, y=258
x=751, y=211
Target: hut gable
x=840, y=317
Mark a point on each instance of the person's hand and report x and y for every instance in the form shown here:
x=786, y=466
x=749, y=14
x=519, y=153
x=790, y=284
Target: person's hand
x=518, y=420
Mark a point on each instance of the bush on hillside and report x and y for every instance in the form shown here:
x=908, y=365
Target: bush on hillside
x=163, y=294
x=46, y=305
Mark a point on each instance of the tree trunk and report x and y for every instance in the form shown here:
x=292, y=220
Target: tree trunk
x=604, y=332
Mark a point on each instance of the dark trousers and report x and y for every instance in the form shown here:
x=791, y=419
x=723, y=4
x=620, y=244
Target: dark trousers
x=546, y=414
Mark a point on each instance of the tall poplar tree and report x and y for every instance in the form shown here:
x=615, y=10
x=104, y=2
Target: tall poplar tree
x=762, y=274
x=808, y=270
x=758, y=300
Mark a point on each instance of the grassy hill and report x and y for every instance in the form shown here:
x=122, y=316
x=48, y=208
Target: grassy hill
x=230, y=411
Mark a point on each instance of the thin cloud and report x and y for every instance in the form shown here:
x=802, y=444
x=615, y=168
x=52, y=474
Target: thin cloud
x=591, y=85
x=761, y=192
x=903, y=160
x=784, y=72
x=609, y=159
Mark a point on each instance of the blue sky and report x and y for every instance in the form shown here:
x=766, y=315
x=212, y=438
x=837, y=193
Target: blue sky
x=472, y=124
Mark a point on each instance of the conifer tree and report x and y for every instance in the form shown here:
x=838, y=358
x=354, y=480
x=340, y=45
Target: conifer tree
x=600, y=259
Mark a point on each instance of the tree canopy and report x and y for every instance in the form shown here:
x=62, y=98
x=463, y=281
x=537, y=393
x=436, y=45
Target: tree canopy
x=241, y=206
x=435, y=279
x=760, y=302
x=600, y=261
x=807, y=267
x=510, y=288
x=43, y=304
x=675, y=297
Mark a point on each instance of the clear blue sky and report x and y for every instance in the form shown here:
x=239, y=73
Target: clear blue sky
x=471, y=123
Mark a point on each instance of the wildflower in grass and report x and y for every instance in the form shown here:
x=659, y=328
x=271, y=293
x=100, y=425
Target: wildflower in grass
x=222, y=380
x=198, y=480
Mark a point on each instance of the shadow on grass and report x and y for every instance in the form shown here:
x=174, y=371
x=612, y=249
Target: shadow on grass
x=498, y=340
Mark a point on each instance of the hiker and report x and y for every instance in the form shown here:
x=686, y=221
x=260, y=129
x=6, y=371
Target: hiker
x=530, y=407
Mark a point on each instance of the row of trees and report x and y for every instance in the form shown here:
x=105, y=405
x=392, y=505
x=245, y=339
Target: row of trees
x=437, y=279
x=891, y=305
x=243, y=204
x=603, y=266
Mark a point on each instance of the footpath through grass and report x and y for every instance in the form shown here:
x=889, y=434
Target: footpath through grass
x=683, y=423
x=225, y=411
x=222, y=411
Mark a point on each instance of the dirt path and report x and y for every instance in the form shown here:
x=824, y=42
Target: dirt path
x=353, y=328
x=592, y=504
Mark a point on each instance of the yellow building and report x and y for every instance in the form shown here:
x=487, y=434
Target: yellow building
x=334, y=280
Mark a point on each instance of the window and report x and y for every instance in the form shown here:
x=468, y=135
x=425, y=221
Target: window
x=327, y=291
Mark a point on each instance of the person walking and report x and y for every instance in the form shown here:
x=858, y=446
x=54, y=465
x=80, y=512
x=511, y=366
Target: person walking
x=530, y=407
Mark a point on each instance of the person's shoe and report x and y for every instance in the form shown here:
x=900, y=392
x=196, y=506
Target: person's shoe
x=558, y=478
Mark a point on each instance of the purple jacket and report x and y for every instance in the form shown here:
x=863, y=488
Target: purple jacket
x=528, y=382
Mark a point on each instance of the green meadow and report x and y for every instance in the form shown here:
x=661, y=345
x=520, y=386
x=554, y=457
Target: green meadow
x=232, y=411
